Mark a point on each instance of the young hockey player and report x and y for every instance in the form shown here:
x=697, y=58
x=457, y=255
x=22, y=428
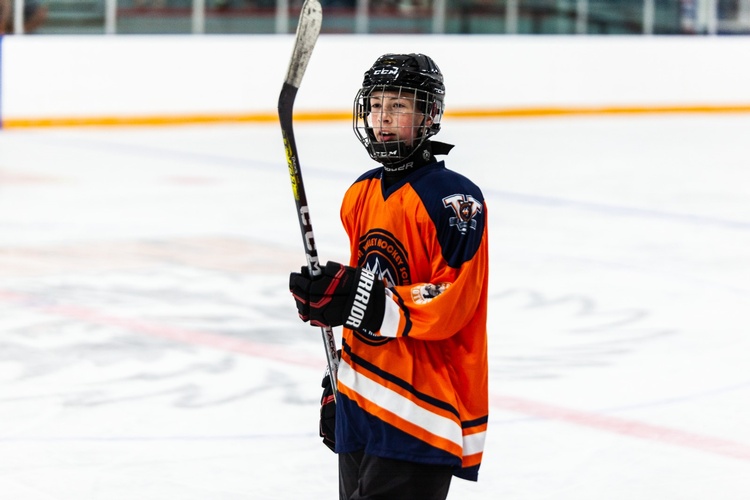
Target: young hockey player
x=412, y=403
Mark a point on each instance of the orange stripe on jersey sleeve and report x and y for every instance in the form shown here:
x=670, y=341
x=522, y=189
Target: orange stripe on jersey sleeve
x=471, y=460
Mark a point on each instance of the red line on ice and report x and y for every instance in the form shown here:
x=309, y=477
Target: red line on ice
x=626, y=427
x=195, y=337
x=591, y=420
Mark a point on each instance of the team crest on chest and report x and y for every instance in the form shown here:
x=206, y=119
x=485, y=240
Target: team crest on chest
x=465, y=207
x=381, y=253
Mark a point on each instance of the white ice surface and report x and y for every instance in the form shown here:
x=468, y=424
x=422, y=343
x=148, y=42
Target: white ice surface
x=149, y=348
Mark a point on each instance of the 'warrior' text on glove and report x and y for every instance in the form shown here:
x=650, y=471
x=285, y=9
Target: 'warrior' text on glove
x=342, y=295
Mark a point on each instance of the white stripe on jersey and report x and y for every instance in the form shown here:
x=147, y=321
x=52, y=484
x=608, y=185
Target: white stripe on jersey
x=391, y=317
x=474, y=443
x=399, y=405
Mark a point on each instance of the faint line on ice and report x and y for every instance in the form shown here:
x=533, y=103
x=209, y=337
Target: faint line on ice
x=617, y=210
x=506, y=196
x=625, y=427
x=591, y=420
x=187, y=336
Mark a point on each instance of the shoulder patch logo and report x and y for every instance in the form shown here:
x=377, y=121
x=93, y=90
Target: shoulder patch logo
x=466, y=208
x=425, y=293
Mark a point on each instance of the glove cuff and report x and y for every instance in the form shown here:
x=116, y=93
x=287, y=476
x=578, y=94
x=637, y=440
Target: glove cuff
x=365, y=308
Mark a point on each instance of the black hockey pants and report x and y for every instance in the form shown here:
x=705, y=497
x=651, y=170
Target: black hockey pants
x=366, y=477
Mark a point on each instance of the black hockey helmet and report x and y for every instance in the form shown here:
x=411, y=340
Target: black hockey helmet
x=415, y=75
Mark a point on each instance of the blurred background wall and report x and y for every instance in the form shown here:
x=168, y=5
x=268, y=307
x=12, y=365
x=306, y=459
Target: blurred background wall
x=69, y=66
x=384, y=16
x=151, y=79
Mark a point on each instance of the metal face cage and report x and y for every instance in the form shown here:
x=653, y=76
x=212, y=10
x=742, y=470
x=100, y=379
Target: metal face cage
x=392, y=122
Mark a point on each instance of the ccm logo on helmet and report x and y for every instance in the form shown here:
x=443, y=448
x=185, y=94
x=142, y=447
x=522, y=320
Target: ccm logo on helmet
x=392, y=71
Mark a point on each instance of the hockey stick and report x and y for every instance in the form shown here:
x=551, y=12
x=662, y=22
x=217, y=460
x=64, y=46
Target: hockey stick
x=308, y=29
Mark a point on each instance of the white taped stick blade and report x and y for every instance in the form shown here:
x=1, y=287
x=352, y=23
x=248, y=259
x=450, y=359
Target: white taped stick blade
x=308, y=29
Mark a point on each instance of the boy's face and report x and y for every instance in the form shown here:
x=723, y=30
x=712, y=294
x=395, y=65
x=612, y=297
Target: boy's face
x=394, y=116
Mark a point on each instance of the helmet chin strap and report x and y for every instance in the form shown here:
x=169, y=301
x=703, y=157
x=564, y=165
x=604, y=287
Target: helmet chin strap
x=389, y=152
x=409, y=158
x=419, y=157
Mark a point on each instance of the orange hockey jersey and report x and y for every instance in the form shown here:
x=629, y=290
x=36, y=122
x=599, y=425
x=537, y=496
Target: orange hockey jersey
x=417, y=389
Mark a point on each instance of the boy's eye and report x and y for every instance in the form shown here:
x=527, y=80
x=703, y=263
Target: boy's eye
x=388, y=105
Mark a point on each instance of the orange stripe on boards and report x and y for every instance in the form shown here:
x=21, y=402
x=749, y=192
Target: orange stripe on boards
x=607, y=110
x=166, y=120
x=118, y=121
x=323, y=116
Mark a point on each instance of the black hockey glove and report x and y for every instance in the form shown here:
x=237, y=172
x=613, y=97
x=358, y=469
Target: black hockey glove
x=342, y=295
x=328, y=414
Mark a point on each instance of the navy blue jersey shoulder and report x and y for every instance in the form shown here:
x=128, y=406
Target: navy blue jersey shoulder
x=456, y=207
x=375, y=173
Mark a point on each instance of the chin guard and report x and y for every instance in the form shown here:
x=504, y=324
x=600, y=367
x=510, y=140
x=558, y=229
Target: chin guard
x=389, y=152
